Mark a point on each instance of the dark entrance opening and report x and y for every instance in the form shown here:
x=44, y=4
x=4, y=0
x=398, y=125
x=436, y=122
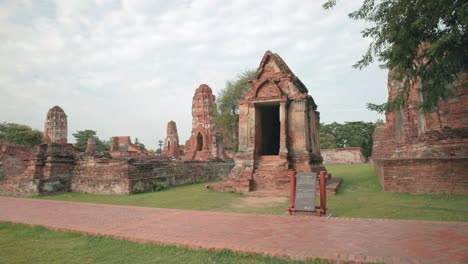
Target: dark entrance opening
x=268, y=130
x=199, y=142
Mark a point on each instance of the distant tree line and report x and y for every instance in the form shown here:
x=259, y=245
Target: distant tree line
x=349, y=134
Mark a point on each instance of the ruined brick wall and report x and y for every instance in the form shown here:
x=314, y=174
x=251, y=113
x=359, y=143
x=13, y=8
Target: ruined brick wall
x=57, y=167
x=101, y=175
x=343, y=156
x=55, y=126
x=412, y=135
x=424, y=175
x=171, y=143
x=143, y=174
x=42, y=169
x=14, y=161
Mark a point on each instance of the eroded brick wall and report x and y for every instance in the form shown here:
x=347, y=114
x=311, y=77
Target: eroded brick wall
x=124, y=176
x=55, y=167
x=424, y=175
x=101, y=176
x=143, y=175
x=343, y=156
x=14, y=162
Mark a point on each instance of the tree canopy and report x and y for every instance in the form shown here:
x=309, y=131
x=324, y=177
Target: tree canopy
x=417, y=40
x=227, y=114
x=349, y=134
x=20, y=134
x=81, y=137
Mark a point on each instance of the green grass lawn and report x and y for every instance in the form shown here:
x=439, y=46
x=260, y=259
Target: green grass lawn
x=193, y=197
x=34, y=244
x=359, y=196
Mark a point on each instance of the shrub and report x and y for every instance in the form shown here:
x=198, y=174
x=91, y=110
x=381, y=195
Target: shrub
x=158, y=186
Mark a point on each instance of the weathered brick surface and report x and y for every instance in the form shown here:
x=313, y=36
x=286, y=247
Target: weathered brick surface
x=343, y=156
x=424, y=175
x=102, y=175
x=143, y=175
x=435, y=143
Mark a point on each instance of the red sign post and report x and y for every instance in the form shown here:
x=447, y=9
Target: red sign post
x=320, y=210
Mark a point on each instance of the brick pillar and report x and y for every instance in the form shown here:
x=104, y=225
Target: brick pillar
x=91, y=146
x=283, y=134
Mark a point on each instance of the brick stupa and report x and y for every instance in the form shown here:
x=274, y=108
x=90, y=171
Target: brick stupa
x=171, y=143
x=55, y=126
x=203, y=144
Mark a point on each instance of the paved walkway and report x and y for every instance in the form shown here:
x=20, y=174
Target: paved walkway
x=298, y=237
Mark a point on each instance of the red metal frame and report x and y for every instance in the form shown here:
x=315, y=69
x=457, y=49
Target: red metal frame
x=320, y=210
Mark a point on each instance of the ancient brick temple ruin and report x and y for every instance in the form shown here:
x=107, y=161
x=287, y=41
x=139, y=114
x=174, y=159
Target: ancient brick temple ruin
x=205, y=142
x=421, y=152
x=278, y=131
x=123, y=144
x=171, y=143
x=55, y=126
x=59, y=166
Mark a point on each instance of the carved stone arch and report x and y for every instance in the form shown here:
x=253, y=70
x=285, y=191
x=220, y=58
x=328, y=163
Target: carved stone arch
x=200, y=137
x=268, y=89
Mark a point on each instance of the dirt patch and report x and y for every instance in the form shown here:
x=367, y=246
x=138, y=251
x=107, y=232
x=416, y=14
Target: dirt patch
x=259, y=201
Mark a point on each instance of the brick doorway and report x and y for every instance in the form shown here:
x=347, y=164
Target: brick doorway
x=267, y=129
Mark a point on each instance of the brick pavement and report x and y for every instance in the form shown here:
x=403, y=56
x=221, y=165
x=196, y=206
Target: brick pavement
x=297, y=237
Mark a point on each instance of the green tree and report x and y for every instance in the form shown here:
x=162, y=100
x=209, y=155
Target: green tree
x=81, y=138
x=349, y=134
x=327, y=138
x=102, y=145
x=20, y=134
x=416, y=39
x=227, y=116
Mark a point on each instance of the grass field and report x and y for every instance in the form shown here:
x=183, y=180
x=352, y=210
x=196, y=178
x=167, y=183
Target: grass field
x=34, y=244
x=359, y=196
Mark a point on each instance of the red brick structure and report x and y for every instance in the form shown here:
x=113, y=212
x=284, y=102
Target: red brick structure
x=171, y=143
x=278, y=131
x=351, y=155
x=91, y=146
x=55, y=126
x=59, y=167
x=205, y=142
x=123, y=144
x=417, y=152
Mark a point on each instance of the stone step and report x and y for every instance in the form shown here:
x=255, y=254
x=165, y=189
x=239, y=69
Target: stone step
x=272, y=172
x=268, y=158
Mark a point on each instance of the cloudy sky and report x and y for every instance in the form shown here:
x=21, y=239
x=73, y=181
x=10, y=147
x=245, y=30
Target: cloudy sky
x=128, y=67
